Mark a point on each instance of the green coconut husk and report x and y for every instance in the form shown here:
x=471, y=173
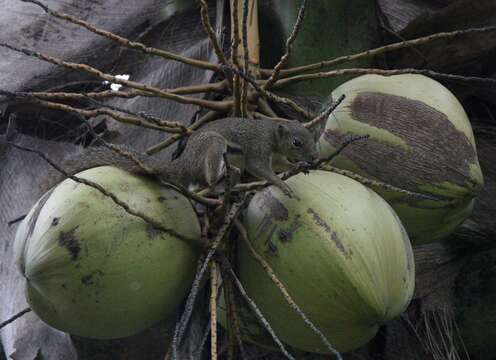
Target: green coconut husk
x=340, y=251
x=92, y=269
x=420, y=140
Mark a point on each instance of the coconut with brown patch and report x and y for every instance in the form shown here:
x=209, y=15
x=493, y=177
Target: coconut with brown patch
x=93, y=270
x=420, y=140
x=344, y=257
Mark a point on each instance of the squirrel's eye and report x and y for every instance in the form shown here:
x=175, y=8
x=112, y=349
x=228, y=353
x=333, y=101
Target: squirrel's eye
x=297, y=142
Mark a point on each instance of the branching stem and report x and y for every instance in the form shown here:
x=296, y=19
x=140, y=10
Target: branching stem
x=126, y=42
x=379, y=51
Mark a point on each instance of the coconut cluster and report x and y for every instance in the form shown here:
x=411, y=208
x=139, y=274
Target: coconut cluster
x=342, y=250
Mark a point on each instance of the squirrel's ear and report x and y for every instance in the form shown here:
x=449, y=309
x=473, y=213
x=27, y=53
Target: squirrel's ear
x=282, y=130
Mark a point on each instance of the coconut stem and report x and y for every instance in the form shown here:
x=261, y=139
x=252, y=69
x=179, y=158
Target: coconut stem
x=229, y=270
x=270, y=96
x=289, y=45
x=190, y=301
x=126, y=42
x=213, y=310
x=469, y=80
x=378, y=184
x=325, y=114
x=233, y=319
x=380, y=50
x=14, y=318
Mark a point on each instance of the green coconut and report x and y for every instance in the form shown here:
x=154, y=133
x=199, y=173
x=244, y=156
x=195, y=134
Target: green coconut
x=420, y=140
x=93, y=270
x=341, y=252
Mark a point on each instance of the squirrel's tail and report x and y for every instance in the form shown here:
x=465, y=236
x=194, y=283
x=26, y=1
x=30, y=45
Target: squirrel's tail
x=95, y=156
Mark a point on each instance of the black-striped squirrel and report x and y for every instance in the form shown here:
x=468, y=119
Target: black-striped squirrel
x=250, y=145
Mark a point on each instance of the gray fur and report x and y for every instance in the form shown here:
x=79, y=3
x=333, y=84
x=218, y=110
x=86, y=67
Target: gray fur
x=259, y=140
x=252, y=144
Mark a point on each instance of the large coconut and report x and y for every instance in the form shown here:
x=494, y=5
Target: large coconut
x=341, y=252
x=420, y=140
x=93, y=270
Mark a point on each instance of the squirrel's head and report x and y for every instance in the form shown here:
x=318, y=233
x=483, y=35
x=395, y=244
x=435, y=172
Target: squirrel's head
x=295, y=142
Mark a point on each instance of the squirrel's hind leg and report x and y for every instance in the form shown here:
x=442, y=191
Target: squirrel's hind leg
x=214, y=164
x=220, y=174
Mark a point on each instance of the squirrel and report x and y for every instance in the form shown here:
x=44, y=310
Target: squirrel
x=248, y=144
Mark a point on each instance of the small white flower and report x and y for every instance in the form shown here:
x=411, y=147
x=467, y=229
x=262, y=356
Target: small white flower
x=116, y=87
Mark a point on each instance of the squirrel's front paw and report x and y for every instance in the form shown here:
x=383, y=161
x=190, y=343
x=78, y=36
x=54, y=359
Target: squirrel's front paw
x=303, y=166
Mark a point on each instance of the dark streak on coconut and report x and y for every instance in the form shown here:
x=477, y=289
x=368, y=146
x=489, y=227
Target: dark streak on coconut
x=270, y=247
x=70, y=242
x=55, y=221
x=286, y=235
x=275, y=207
x=437, y=151
x=93, y=278
x=264, y=225
x=334, y=237
x=87, y=280
x=276, y=211
x=151, y=231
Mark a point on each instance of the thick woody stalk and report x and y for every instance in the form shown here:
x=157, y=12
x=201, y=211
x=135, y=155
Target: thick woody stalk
x=235, y=40
x=246, y=54
x=183, y=322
